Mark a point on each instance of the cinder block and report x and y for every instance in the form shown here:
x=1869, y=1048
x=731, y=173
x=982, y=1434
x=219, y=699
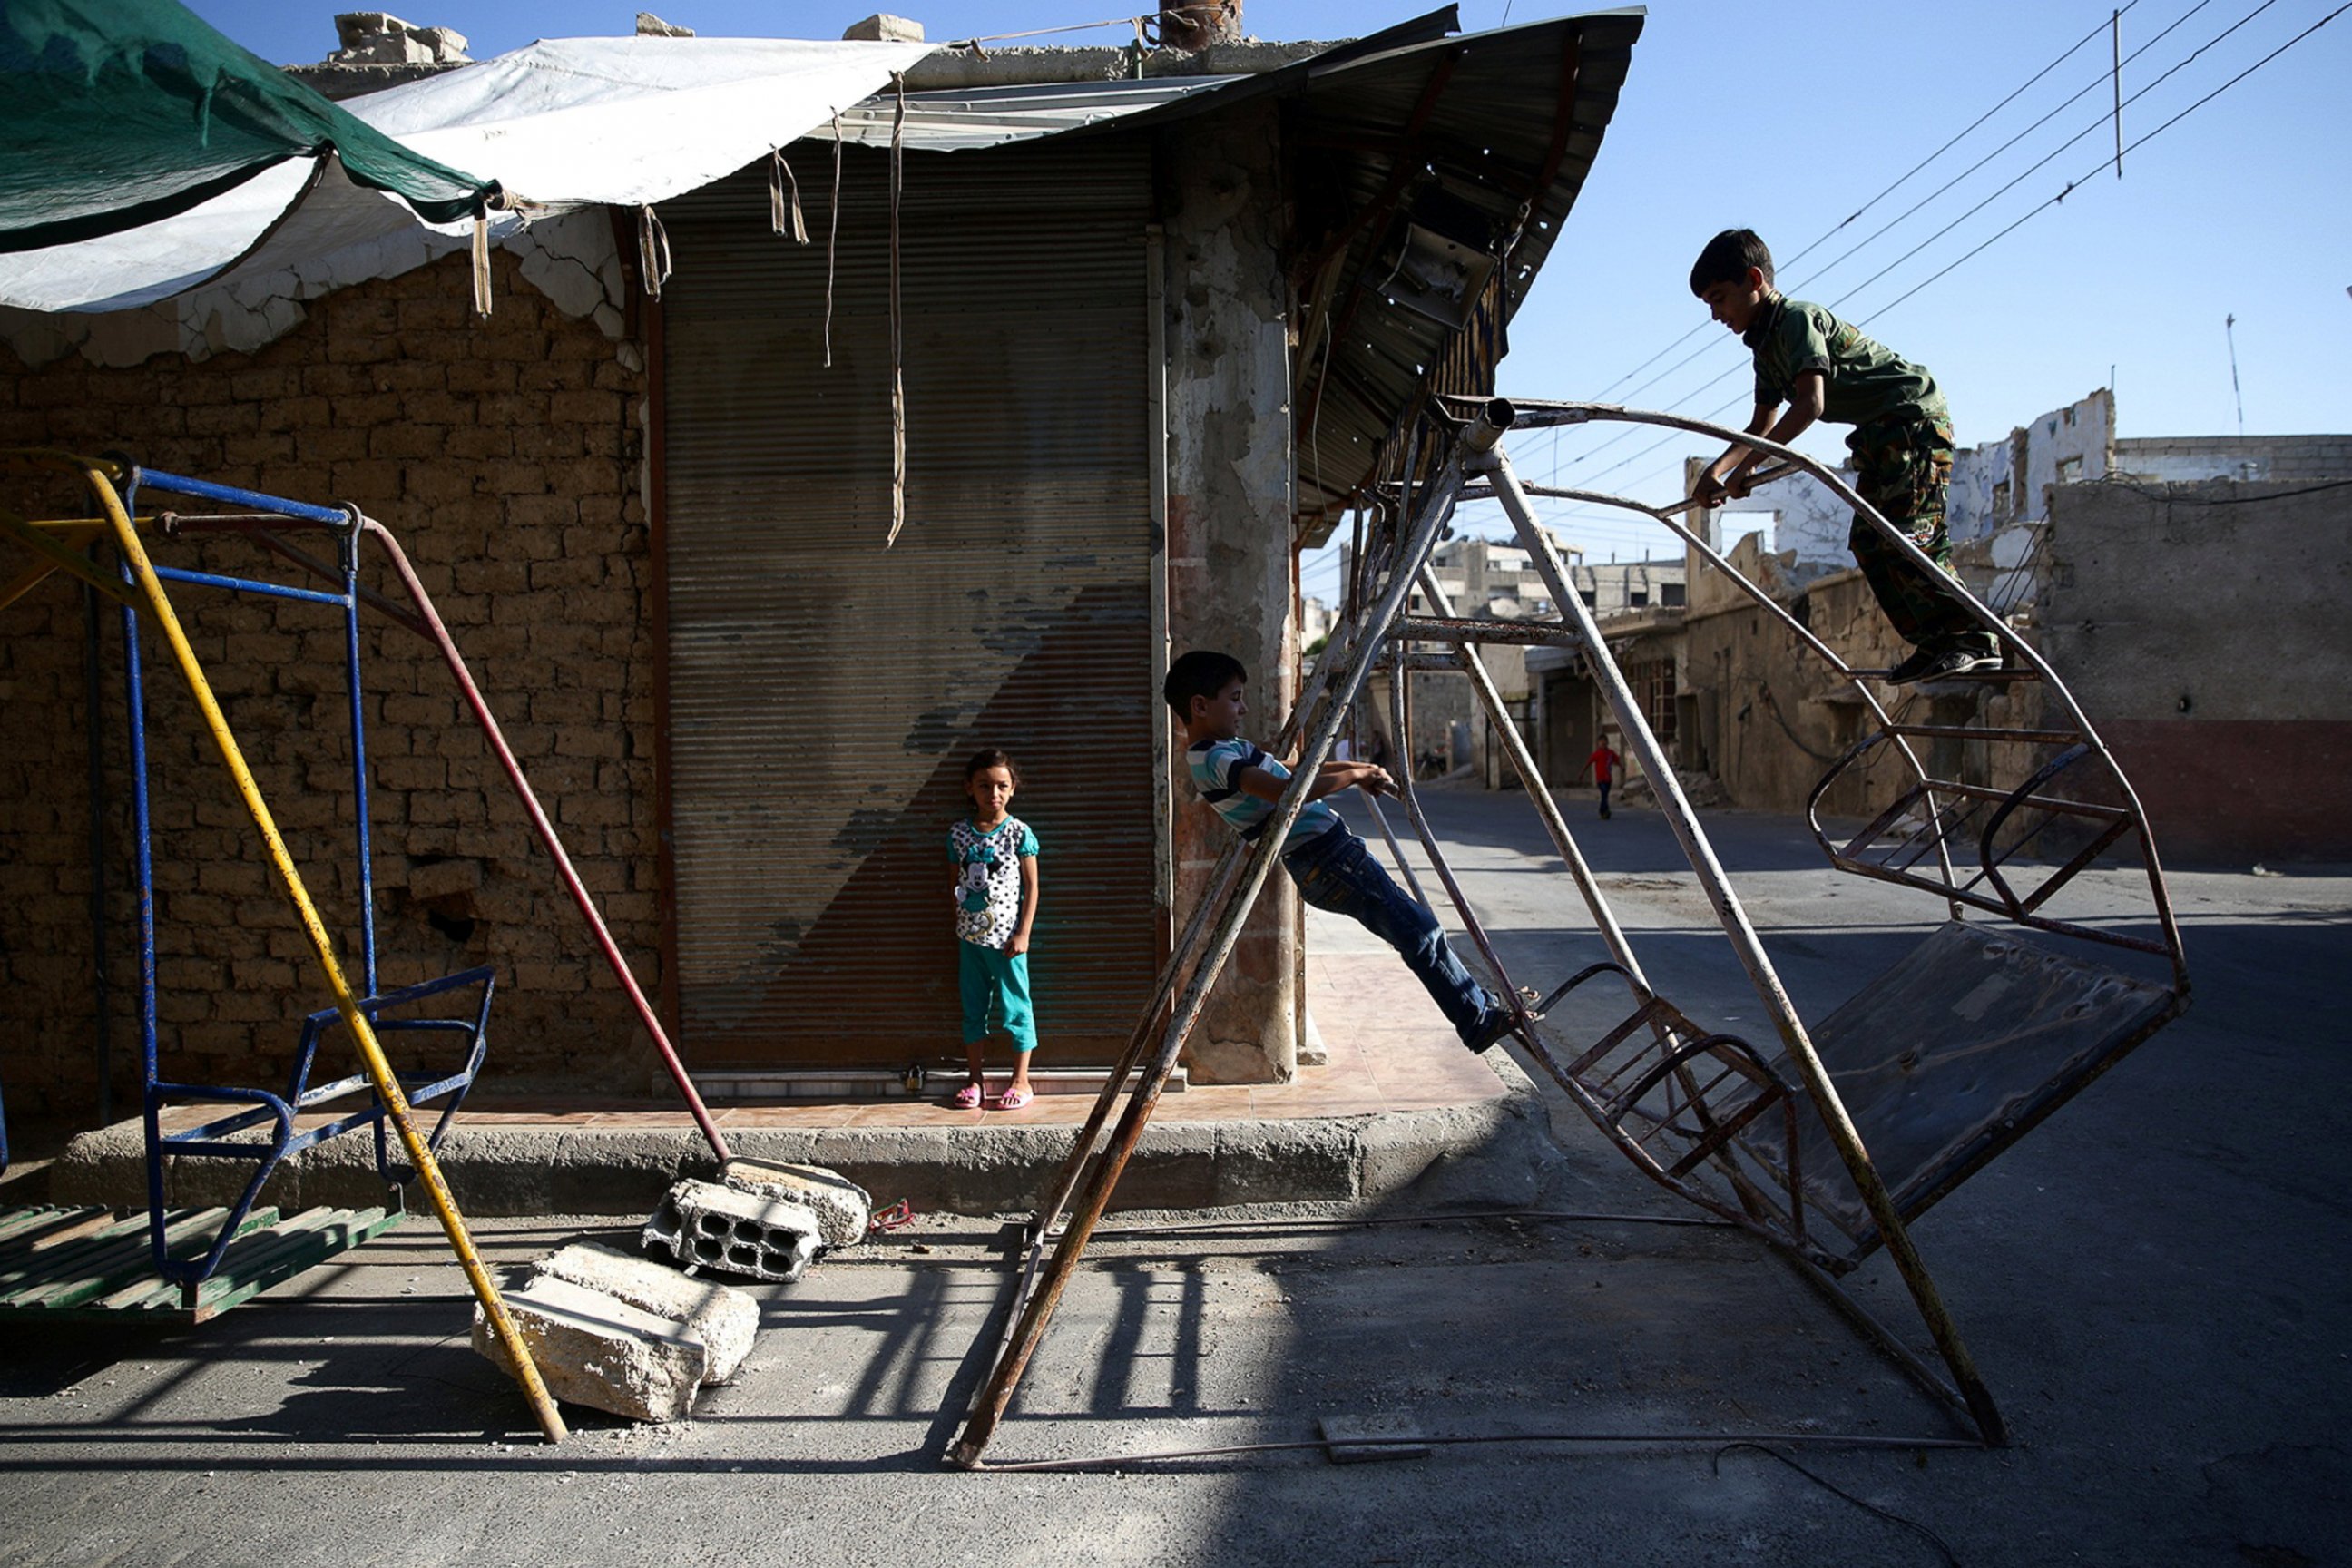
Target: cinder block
x=597, y=1349
x=723, y=1319
x=704, y=1226
x=842, y=1207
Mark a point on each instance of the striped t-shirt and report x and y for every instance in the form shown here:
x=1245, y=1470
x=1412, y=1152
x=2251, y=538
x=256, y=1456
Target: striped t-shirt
x=1216, y=774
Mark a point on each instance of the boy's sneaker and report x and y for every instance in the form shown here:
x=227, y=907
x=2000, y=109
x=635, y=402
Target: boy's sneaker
x=1954, y=661
x=1498, y=1022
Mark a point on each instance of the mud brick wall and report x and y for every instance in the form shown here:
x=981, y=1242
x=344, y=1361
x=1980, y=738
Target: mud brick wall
x=505, y=454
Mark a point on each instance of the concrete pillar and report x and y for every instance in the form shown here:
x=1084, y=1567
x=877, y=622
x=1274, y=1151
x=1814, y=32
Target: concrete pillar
x=1230, y=505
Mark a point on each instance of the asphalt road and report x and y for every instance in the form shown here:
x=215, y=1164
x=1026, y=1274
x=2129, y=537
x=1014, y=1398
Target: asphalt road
x=2155, y=1283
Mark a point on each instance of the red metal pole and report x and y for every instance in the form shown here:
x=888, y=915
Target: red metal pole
x=555, y=846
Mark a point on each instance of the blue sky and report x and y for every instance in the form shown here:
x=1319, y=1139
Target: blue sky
x=1789, y=119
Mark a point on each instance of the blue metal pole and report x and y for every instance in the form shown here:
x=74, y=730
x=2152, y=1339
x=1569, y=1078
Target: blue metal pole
x=134, y=707
x=247, y=585
x=93, y=686
x=204, y=490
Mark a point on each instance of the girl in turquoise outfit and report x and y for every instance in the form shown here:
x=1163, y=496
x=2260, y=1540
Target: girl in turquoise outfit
x=995, y=857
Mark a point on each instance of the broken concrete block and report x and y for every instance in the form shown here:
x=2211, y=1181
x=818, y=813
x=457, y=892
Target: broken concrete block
x=592, y=1349
x=724, y=1320
x=706, y=1226
x=884, y=28
x=841, y=1205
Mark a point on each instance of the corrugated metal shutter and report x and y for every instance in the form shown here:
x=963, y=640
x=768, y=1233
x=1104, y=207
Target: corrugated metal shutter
x=824, y=693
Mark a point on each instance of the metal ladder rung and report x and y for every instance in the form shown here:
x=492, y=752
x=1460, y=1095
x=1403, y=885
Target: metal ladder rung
x=2042, y=801
x=1984, y=732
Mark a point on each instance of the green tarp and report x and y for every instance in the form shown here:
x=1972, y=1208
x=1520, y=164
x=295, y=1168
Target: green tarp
x=115, y=113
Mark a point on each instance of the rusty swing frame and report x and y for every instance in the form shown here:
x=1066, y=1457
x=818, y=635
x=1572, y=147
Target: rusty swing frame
x=1742, y=1155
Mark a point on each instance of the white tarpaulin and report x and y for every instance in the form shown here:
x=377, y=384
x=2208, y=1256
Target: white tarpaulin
x=564, y=123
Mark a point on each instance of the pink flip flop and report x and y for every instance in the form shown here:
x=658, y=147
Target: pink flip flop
x=1014, y=1098
x=968, y=1097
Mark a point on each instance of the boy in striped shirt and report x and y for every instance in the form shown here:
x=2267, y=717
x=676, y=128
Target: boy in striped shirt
x=1241, y=783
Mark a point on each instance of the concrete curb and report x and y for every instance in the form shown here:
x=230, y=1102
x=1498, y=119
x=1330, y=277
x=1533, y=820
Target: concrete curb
x=1492, y=1152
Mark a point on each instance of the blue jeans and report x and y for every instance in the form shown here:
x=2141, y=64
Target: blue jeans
x=1335, y=873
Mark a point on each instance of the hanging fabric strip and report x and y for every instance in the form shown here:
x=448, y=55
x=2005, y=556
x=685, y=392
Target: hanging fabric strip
x=785, y=212
x=653, y=252
x=481, y=264
x=832, y=233
x=898, y=326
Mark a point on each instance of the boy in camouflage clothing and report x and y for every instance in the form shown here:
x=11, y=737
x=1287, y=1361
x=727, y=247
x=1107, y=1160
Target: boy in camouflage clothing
x=1901, y=444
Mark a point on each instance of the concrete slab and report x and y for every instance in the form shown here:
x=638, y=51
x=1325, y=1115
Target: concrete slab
x=842, y=1207
x=722, y=1319
x=597, y=1349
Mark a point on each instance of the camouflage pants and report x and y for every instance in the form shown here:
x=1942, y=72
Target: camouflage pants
x=1904, y=470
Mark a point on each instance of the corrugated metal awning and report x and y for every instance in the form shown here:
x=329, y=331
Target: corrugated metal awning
x=1485, y=138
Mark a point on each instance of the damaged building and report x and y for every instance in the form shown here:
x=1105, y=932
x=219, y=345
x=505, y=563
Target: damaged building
x=2189, y=586
x=782, y=473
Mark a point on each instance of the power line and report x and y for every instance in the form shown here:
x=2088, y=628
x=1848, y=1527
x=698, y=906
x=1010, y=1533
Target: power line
x=2048, y=158
x=2103, y=77
x=1905, y=178
x=2130, y=146
x=1946, y=186
x=2003, y=190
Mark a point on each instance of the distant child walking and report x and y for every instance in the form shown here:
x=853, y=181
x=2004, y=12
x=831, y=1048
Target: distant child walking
x=1243, y=785
x=995, y=857
x=1902, y=446
x=1603, y=764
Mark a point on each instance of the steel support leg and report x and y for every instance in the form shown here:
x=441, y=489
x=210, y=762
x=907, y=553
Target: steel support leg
x=580, y=897
x=1323, y=729
x=1750, y=948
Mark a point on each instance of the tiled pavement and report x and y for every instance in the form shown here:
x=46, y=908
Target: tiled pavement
x=1387, y=1049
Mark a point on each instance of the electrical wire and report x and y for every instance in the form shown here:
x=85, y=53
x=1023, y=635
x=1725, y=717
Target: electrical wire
x=2105, y=119
x=2010, y=185
x=2018, y=223
x=2131, y=146
x=2048, y=158
x=1900, y=180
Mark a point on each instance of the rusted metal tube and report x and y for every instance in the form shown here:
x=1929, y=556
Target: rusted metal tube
x=547, y=835
x=1171, y=971
x=1664, y=516
x=1612, y=936
x=1750, y=948
x=1324, y=728
x=1537, y=416
x=1396, y=852
x=1446, y=627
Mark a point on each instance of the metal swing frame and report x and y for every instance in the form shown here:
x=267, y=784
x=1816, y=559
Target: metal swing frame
x=1657, y=1055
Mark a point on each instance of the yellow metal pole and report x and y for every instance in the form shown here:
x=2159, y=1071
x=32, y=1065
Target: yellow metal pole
x=57, y=556
x=159, y=609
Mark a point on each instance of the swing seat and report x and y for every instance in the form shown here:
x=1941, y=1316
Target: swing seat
x=456, y=1005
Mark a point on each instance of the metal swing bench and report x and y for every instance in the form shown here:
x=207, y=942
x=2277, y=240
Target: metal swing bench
x=1829, y=1146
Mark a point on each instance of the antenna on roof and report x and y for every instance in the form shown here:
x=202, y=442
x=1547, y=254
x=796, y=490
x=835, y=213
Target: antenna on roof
x=2229, y=327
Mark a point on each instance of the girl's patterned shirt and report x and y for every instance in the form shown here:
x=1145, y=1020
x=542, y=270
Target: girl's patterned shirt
x=988, y=878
